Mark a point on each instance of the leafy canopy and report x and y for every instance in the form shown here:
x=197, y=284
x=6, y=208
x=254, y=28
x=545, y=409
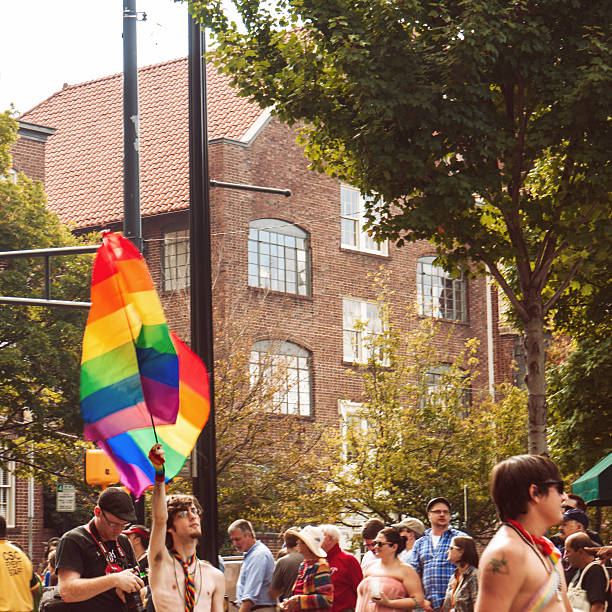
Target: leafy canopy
x=482, y=126
x=39, y=347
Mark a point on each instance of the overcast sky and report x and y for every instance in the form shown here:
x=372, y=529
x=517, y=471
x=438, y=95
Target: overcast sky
x=46, y=43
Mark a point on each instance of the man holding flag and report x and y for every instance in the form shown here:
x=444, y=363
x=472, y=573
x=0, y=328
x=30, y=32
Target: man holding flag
x=178, y=579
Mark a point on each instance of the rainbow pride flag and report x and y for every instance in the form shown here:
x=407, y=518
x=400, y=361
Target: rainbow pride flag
x=129, y=364
x=129, y=450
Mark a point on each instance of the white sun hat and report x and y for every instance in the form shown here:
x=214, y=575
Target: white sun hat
x=312, y=537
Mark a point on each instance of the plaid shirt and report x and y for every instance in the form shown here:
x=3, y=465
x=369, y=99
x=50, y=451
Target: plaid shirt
x=432, y=565
x=314, y=585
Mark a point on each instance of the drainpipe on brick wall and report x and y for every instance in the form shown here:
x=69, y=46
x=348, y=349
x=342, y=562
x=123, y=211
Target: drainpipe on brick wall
x=490, y=354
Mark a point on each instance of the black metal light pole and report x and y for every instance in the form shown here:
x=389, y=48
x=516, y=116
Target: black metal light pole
x=132, y=225
x=205, y=480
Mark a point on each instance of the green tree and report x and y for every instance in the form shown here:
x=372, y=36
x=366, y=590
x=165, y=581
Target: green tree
x=481, y=126
x=40, y=347
x=417, y=436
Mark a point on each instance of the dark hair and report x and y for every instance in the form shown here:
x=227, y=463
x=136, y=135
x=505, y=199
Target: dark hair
x=468, y=548
x=370, y=528
x=2, y=527
x=580, y=503
x=178, y=503
x=291, y=540
x=511, y=479
x=392, y=535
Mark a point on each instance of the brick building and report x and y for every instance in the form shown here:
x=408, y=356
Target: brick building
x=304, y=260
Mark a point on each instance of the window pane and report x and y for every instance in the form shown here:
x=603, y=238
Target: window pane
x=276, y=253
x=438, y=295
x=175, y=269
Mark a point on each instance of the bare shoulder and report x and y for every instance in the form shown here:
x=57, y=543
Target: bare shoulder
x=408, y=571
x=503, y=555
x=212, y=572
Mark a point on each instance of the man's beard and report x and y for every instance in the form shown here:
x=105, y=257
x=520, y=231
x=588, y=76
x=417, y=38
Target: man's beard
x=196, y=535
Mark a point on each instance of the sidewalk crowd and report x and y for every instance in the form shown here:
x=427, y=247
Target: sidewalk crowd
x=111, y=564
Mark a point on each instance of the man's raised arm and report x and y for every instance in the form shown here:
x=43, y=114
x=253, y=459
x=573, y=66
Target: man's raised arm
x=157, y=543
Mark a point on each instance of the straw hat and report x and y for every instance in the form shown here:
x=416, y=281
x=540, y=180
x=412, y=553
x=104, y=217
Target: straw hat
x=312, y=537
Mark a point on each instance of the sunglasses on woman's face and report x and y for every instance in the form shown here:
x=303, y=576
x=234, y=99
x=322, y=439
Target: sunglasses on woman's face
x=377, y=544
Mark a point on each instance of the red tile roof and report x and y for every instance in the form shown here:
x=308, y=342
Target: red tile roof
x=84, y=168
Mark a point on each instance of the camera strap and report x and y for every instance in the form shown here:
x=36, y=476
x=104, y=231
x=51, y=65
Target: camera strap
x=111, y=566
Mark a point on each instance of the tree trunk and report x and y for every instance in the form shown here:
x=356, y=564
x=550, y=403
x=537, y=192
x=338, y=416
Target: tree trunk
x=535, y=357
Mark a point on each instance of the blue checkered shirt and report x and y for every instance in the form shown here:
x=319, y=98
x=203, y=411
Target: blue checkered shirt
x=432, y=566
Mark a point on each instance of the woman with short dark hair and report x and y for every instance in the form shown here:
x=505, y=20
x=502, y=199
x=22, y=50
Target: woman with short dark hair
x=463, y=586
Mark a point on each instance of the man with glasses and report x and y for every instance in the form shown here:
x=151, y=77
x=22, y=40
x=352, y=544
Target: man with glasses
x=430, y=554
x=94, y=562
x=178, y=579
x=369, y=531
x=520, y=569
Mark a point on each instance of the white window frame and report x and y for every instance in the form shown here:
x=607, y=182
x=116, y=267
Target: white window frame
x=361, y=240
x=432, y=386
x=7, y=496
x=347, y=411
x=270, y=262
x=429, y=293
x=296, y=397
x=355, y=347
x=176, y=260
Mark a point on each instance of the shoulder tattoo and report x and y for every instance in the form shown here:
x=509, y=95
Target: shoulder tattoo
x=498, y=565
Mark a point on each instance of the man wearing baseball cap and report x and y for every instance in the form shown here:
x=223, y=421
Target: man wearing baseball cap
x=429, y=555
x=139, y=537
x=94, y=562
x=412, y=529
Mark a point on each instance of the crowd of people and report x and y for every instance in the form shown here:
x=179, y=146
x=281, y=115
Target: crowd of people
x=111, y=564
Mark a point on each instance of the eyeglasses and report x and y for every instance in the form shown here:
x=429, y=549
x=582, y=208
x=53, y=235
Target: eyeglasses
x=369, y=544
x=114, y=524
x=185, y=513
x=455, y=547
x=376, y=544
x=440, y=511
x=551, y=483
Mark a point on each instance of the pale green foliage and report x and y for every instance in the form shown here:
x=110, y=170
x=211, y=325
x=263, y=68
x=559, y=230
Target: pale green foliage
x=418, y=444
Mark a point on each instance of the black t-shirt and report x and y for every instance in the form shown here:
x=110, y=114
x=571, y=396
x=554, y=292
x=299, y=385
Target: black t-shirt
x=78, y=551
x=595, y=584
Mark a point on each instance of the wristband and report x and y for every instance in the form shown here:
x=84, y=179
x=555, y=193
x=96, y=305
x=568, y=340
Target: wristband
x=160, y=473
x=416, y=605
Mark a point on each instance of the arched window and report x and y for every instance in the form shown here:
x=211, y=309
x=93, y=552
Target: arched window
x=287, y=367
x=439, y=295
x=279, y=257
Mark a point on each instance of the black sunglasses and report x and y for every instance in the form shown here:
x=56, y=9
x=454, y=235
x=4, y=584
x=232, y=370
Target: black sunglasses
x=378, y=544
x=551, y=483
